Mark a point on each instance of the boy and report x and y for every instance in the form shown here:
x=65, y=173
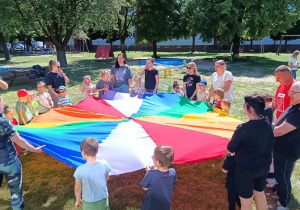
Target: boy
x=229, y=169
x=218, y=95
x=43, y=98
x=160, y=181
x=32, y=105
x=202, y=92
x=91, y=178
x=21, y=107
x=177, y=89
x=268, y=99
x=63, y=100
x=225, y=105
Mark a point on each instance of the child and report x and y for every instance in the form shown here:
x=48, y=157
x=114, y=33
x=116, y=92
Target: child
x=225, y=105
x=218, y=95
x=87, y=88
x=9, y=114
x=21, y=107
x=1, y=106
x=159, y=181
x=177, y=89
x=64, y=99
x=137, y=88
x=268, y=99
x=43, y=98
x=91, y=178
x=32, y=105
x=202, y=92
x=229, y=168
x=103, y=85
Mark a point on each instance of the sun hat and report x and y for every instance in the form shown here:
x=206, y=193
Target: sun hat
x=62, y=87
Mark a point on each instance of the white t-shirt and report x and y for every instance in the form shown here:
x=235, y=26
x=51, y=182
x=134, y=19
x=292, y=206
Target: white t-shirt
x=201, y=96
x=294, y=63
x=219, y=82
x=44, y=100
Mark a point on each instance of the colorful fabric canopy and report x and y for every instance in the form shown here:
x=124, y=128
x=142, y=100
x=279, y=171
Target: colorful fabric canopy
x=128, y=127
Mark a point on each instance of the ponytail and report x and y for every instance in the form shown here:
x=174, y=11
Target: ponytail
x=268, y=114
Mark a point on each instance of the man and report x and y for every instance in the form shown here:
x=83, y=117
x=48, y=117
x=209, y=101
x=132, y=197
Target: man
x=3, y=84
x=281, y=101
x=287, y=146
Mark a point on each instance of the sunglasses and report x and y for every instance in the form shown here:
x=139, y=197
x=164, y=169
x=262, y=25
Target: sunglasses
x=189, y=67
x=58, y=67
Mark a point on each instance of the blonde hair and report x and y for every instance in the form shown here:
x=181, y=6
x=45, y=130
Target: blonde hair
x=150, y=59
x=295, y=54
x=221, y=62
x=226, y=102
x=219, y=92
x=137, y=76
x=52, y=63
x=194, y=67
x=104, y=73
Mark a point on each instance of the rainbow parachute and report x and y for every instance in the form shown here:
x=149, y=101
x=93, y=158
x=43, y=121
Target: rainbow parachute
x=128, y=127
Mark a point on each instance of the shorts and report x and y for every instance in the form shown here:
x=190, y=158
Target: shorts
x=251, y=178
x=101, y=205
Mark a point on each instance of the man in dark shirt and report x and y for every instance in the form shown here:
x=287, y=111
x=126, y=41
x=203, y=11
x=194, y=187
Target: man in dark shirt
x=287, y=146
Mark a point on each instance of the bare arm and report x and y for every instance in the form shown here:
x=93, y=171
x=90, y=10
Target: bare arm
x=210, y=93
x=157, y=83
x=77, y=190
x=24, y=144
x=274, y=104
x=184, y=89
x=145, y=188
x=129, y=82
x=227, y=85
x=112, y=78
x=142, y=72
x=107, y=176
x=64, y=75
x=3, y=85
x=50, y=89
x=82, y=87
x=283, y=129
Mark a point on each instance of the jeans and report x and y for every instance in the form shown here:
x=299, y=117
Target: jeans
x=150, y=90
x=1, y=114
x=123, y=89
x=294, y=72
x=283, y=168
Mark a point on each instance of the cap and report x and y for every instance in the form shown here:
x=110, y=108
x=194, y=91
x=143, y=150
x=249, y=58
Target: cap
x=22, y=93
x=62, y=87
x=203, y=82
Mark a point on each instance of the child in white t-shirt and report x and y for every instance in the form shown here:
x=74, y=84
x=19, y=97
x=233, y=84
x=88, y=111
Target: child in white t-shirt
x=202, y=92
x=87, y=88
x=43, y=98
x=137, y=88
x=177, y=89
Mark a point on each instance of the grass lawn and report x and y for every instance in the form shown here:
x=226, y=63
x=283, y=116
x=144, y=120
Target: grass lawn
x=48, y=183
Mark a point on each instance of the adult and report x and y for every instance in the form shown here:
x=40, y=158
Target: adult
x=252, y=144
x=281, y=100
x=54, y=79
x=293, y=64
x=287, y=146
x=190, y=81
x=221, y=79
x=3, y=84
x=121, y=75
x=10, y=164
x=151, y=76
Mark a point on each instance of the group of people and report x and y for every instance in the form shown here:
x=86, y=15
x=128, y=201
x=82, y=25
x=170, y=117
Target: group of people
x=254, y=146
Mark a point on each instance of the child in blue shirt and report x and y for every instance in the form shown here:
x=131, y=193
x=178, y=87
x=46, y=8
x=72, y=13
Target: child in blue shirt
x=91, y=178
x=158, y=183
x=64, y=99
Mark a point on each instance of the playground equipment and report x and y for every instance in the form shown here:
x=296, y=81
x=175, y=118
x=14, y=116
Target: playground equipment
x=76, y=49
x=281, y=38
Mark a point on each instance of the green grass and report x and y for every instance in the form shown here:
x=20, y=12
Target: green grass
x=48, y=183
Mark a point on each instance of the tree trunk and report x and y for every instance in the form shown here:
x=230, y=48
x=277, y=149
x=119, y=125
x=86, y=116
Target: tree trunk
x=122, y=41
x=61, y=56
x=194, y=43
x=251, y=45
x=4, y=47
x=285, y=45
x=236, y=45
x=154, y=49
x=28, y=43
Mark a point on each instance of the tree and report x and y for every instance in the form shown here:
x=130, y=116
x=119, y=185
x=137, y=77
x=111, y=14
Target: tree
x=157, y=21
x=231, y=20
x=57, y=20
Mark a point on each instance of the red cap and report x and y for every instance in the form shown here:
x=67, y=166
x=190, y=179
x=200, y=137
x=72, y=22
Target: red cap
x=22, y=93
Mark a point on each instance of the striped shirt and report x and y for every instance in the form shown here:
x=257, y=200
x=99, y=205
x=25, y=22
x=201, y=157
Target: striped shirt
x=65, y=100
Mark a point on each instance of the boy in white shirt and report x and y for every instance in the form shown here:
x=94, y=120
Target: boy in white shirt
x=43, y=98
x=202, y=92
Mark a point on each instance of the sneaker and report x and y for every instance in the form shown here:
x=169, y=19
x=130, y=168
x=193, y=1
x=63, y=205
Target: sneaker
x=276, y=206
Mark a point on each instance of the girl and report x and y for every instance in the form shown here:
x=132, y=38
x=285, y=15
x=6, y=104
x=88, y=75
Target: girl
x=190, y=80
x=137, y=88
x=87, y=88
x=103, y=85
x=293, y=64
x=9, y=114
x=151, y=76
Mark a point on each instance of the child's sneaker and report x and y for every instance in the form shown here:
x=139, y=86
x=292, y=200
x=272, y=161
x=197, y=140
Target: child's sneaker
x=271, y=182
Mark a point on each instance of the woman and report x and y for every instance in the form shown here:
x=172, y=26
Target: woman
x=221, y=79
x=120, y=75
x=293, y=64
x=252, y=144
x=151, y=77
x=190, y=81
x=10, y=164
x=55, y=78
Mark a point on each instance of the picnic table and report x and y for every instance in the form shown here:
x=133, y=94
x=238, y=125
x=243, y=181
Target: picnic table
x=19, y=74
